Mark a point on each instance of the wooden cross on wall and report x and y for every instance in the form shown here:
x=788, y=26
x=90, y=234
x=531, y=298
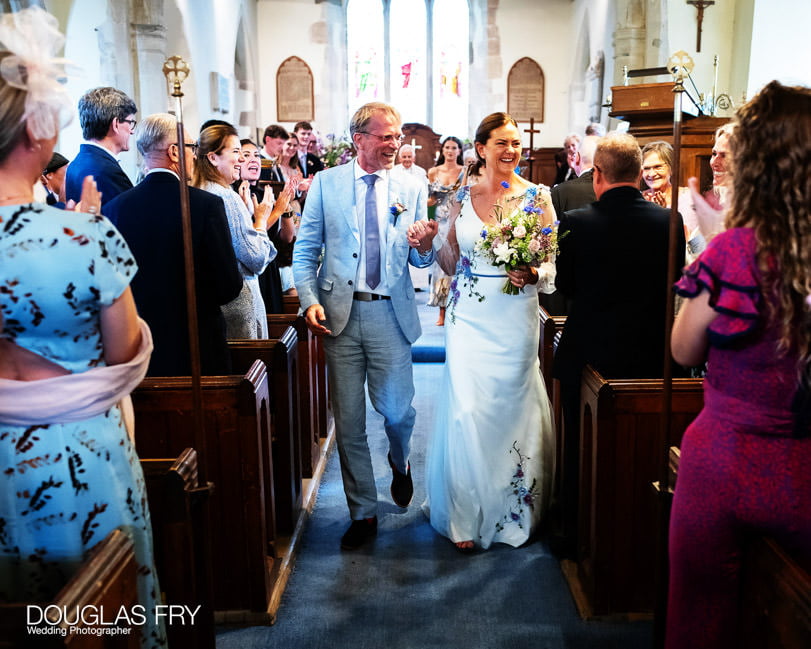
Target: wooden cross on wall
x=701, y=5
x=532, y=131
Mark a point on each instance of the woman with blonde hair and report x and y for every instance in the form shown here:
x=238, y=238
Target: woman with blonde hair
x=71, y=349
x=216, y=167
x=745, y=465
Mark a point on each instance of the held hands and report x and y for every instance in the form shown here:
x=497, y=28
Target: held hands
x=314, y=317
x=421, y=234
x=522, y=276
x=90, y=200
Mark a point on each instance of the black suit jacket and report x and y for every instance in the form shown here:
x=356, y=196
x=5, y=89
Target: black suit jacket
x=569, y=195
x=613, y=266
x=574, y=193
x=149, y=218
x=99, y=163
x=314, y=165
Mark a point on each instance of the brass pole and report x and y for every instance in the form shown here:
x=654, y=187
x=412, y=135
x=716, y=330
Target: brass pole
x=176, y=70
x=680, y=66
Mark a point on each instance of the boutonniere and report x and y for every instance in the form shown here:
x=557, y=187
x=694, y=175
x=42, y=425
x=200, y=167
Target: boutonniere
x=396, y=210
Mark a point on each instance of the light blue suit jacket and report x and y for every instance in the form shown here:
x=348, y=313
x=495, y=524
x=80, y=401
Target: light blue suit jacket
x=329, y=220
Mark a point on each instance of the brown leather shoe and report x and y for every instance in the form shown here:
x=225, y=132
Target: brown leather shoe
x=359, y=532
x=402, y=488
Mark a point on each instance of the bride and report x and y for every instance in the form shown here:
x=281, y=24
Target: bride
x=489, y=462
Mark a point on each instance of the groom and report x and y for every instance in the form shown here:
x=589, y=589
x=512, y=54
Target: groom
x=362, y=300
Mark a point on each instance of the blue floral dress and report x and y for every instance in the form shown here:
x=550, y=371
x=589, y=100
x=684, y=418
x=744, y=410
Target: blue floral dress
x=489, y=461
x=64, y=487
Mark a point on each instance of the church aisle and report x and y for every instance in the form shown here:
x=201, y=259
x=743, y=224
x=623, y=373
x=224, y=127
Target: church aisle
x=410, y=588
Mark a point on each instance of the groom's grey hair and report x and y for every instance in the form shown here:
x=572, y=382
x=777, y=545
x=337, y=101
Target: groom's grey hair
x=364, y=114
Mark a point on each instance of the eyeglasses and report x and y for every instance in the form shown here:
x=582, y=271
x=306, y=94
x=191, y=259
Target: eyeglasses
x=131, y=122
x=189, y=145
x=655, y=168
x=388, y=139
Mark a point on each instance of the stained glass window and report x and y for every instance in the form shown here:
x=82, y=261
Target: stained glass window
x=408, y=74
x=440, y=101
x=365, y=52
x=450, y=84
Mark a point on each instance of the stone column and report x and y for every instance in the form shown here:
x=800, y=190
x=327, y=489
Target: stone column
x=148, y=46
x=629, y=38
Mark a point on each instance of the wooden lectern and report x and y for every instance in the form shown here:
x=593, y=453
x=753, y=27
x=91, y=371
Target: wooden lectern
x=649, y=109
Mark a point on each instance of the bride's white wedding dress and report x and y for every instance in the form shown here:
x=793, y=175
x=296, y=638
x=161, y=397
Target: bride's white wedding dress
x=490, y=457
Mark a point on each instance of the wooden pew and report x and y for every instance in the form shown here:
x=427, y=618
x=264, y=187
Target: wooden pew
x=550, y=326
x=310, y=400
x=106, y=579
x=775, y=601
x=551, y=329
x=292, y=307
x=179, y=508
x=291, y=304
x=236, y=412
x=281, y=356
x=620, y=443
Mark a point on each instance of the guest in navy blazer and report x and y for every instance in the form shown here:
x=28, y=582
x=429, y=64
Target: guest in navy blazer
x=107, y=117
x=149, y=218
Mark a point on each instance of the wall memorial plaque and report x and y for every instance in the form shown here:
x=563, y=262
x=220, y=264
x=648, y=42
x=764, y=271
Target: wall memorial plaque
x=525, y=91
x=294, y=91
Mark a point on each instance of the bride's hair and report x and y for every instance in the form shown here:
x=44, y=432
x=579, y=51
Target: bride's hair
x=487, y=126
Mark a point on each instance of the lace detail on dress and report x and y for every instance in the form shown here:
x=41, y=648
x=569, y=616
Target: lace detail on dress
x=728, y=273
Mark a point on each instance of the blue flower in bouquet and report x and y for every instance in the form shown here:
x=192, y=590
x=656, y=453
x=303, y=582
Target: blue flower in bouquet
x=505, y=184
x=520, y=237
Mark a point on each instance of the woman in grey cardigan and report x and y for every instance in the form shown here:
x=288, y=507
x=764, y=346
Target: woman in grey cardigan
x=215, y=168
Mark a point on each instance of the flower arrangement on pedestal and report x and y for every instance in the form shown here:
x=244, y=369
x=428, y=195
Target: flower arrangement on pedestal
x=337, y=150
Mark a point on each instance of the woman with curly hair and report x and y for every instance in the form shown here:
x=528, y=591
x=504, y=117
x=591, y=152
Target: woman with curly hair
x=746, y=460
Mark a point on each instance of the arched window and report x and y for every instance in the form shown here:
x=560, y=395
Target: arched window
x=396, y=54
x=408, y=74
x=450, y=62
x=365, y=52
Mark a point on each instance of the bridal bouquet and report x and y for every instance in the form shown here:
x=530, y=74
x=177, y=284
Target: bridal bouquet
x=520, y=237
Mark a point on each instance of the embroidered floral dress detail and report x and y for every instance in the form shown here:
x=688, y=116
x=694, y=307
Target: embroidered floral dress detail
x=522, y=496
x=465, y=279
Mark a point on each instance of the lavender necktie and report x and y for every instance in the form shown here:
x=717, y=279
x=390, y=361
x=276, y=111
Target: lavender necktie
x=372, y=233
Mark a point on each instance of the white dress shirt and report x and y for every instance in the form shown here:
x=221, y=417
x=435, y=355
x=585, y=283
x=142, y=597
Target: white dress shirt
x=382, y=197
